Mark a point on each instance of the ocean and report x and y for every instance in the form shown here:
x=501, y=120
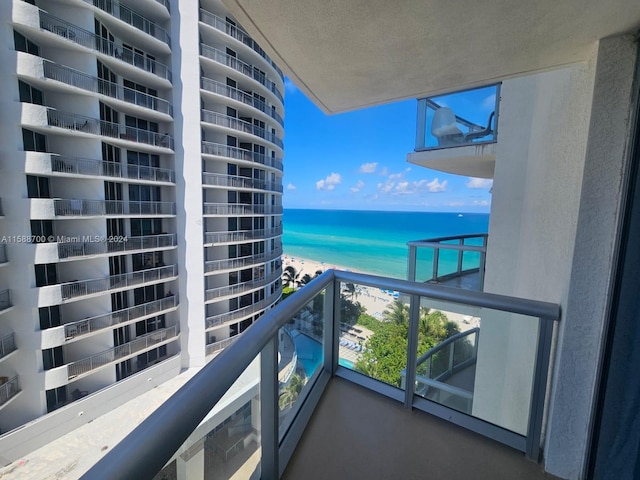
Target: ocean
x=370, y=241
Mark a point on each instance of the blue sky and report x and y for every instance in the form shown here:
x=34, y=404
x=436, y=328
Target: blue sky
x=357, y=161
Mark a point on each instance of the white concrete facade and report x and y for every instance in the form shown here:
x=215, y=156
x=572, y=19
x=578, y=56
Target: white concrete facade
x=111, y=241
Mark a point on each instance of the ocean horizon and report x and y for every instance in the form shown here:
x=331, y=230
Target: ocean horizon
x=367, y=240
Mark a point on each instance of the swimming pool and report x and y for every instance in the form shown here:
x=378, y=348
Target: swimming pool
x=309, y=352
x=345, y=363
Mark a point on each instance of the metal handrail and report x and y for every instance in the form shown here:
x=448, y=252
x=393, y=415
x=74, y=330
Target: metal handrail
x=221, y=150
x=250, y=260
x=220, y=319
x=149, y=447
x=121, y=352
x=236, y=94
x=7, y=344
x=92, y=41
x=234, y=181
x=240, y=125
x=64, y=207
x=99, y=322
x=240, y=209
x=101, y=168
x=5, y=299
x=72, y=249
x=239, y=34
x=135, y=19
x=9, y=389
x=236, y=236
x=81, y=288
x=246, y=69
x=93, y=84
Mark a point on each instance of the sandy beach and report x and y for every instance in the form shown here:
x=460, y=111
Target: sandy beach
x=372, y=299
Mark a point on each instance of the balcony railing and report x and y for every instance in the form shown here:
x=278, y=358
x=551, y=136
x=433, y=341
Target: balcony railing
x=145, y=451
x=80, y=123
x=7, y=344
x=238, y=236
x=81, y=288
x=121, y=351
x=240, y=209
x=99, y=168
x=237, y=33
x=5, y=300
x=240, y=66
x=3, y=253
x=215, y=293
x=227, y=264
x=79, y=208
x=9, y=389
x=458, y=119
x=214, y=347
x=90, y=40
x=218, y=149
x=100, y=322
x=240, y=125
x=213, y=321
x=237, y=94
x=233, y=181
x=127, y=244
x=457, y=260
x=89, y=83
x=115, y=8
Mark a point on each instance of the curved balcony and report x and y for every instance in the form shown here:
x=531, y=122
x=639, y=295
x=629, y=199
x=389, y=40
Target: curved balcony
x=239, y=236
x=44, y=208
x=121, y=352
x=214, y=347
x=240, y=209
x=240, y=288
x=243, y=262
x=93, y=126
x=5, y=300
x=239, y=125
x=7, y=345
x=117, y=10
x=83, y=288
x=219, y=320
x=236, y=94
x=240, y=66
x=233, y=181
x=239, y=34
x=73, y=249
x=81, y=80
x=98, y=323
x=87, y=39
x=50, y=163
x=220, y=150
x=9, y=389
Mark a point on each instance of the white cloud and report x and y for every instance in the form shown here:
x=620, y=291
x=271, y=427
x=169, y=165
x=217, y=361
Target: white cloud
x=479, y=183
x=402, y=187
x=436, y=186
x=357, y=187
x=384, y=172
x=395, y=176
x=289, y=86
x=291, y=186
x=368, y=167
x=481, y=203
x=489, y=103
x=330, y=182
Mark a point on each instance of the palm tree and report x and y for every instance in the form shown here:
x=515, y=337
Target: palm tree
x=290, y=392
x=350, y=291
x=397, y=312
x=304, y=280
x=318, y=273
x=290, y=276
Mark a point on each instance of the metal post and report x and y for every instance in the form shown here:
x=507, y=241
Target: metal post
x=460, y=254
x=413, y=265
x=421, y=124
x=412, y=350
x=436, y=258
x=269, y=413
x=331, y=329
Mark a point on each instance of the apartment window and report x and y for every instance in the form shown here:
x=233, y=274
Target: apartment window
x=144, y=193
x=52, y=358
x=56, y=398
x=232, y=197
x=148, y=294
x=38, y=187
x=112, y=191
x=110, y=153
x=143, y=261
x=232, y=169
x=46, y=274
x=29, y=94
x=23, y=44
x=108, y=114
x=33, y=141
x=145, y=226
x=142, y=159
x=150, y=325
x=104, y=73
x=41, y=230
x=49, y=317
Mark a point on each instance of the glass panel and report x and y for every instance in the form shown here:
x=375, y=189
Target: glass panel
x=374, y=332
x=485, y=372
x=226, y=444
x=300, y=358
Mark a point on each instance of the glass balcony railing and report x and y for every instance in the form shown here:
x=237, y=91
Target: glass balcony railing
x=71, y=249
x=100, y=168
x=213, y=294
x=453, y=261
x=214, y=321
x=397, y=355
x=5, y=300
x=240, y=125
x=9, y=389
x=458, y=119
x=238, y=236
x=79, y=208
x=7, y=344
x=234, y=181
x=220, y=150
x=240, y=209
x=211, y=266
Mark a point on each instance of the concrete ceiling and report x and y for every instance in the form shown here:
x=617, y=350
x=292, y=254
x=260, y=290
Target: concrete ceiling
x=349, y=54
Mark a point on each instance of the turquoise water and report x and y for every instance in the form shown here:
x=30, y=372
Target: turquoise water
x=309, y=353
x=345, y=363
x=374, y=242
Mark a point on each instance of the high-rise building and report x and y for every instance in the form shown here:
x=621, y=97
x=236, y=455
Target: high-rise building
x=140, y=224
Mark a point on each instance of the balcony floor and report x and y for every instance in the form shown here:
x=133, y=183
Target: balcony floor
x=355, y=433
